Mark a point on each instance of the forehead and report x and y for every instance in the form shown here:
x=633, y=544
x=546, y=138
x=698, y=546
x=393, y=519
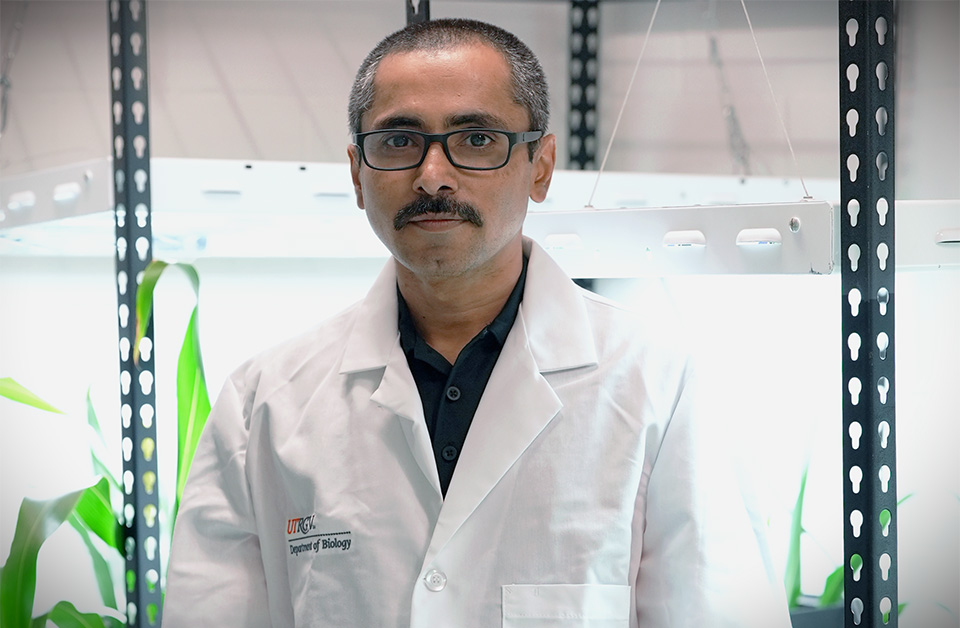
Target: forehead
x=437, y=86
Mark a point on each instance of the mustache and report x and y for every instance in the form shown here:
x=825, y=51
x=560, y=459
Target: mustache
x=436, y=205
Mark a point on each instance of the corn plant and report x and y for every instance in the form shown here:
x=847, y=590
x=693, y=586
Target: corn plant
x=90, y=509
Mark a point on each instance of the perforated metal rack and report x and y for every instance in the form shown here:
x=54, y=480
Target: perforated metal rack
x=867, y=41
x=131, y=180
x=418, y=13
x=584, y=43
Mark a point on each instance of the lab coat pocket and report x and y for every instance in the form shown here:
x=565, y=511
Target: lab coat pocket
x=566, y=605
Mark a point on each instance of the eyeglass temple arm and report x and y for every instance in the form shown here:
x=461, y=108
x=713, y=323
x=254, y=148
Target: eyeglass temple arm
x=529, y=136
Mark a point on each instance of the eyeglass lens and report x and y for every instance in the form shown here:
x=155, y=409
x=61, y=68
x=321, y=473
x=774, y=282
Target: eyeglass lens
x=471, y=148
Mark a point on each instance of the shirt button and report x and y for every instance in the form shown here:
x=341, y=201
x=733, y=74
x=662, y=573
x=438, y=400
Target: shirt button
x=435, y=580
x=453, y=393
x=449, y=453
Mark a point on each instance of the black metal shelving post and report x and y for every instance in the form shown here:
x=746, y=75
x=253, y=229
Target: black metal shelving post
x=584, y=66
x=131, y=170
x=418, y=13
x=867, y=121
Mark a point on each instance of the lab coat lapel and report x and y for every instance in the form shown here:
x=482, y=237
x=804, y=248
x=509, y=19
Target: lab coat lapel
x=516, y=405
x=398, y=394
x=518, y=402
x=374, y=343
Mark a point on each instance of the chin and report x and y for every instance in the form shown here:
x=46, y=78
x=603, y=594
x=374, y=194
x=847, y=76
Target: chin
x=435, y=267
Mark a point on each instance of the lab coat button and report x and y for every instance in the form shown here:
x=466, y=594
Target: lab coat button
x=435, y=580
x=449, y=453
x=453, y=393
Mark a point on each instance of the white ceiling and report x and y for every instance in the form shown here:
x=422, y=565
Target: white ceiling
x=268, y=79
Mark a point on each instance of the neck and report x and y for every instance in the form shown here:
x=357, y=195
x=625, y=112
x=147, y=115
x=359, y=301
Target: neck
x=448, y=312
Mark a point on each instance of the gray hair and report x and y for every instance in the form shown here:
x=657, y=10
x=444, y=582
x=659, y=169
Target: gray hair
x=527, y=76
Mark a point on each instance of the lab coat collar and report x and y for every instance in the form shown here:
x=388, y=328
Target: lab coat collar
x=553, y=310
x=374, y=333
x=558, y=329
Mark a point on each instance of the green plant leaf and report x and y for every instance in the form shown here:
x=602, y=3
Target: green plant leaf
x=92, y=419
x=193, y=404
x=96, y=513
x=833, y=588
x=100, y=467
x=65, y=615
x=791, y=579
x=946, y=608
x=144, y=307
x=193, y=400
x=14, y=391
x=151, y=275
x=36, y=521
x=101, y=569
x=856, y=562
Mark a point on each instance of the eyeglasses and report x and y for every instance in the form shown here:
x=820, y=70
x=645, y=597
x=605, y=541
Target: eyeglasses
x=470, y=149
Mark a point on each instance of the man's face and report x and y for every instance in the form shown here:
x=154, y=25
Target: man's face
x=436, y=92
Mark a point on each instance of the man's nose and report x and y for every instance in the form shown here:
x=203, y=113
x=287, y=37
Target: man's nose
x=436, y=174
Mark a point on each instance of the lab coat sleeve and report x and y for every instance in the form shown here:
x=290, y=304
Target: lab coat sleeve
x=704, y=561
x=216, y=574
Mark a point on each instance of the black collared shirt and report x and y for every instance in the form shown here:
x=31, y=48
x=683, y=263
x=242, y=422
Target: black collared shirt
x=451, y=393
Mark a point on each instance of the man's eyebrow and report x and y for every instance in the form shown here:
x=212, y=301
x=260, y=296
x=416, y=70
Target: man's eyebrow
x=472, y=119
x=399, y=122
x=477, y=119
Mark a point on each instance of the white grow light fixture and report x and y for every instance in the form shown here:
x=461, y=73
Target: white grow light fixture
x=782, y=238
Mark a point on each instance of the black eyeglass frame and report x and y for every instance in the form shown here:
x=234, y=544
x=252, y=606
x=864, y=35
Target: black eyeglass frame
x=524, y=137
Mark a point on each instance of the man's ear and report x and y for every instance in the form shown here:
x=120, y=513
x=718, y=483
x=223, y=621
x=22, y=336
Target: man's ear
x=544, y=160
x=354, y=154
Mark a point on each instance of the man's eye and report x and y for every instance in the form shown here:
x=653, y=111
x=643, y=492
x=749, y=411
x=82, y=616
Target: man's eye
x=479, y=140
x=397, y=140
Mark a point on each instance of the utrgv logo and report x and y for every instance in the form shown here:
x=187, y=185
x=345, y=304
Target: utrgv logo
x=303, y=541
x=301, y=525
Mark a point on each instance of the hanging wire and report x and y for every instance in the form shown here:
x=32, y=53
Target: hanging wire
x=606, y=153
x=7, y=62
x=636, y=67
x=783, y=127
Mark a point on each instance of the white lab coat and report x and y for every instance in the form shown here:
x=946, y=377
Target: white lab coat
x=582, y=496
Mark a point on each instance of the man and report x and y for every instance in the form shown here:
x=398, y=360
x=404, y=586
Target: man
x=479, y=442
